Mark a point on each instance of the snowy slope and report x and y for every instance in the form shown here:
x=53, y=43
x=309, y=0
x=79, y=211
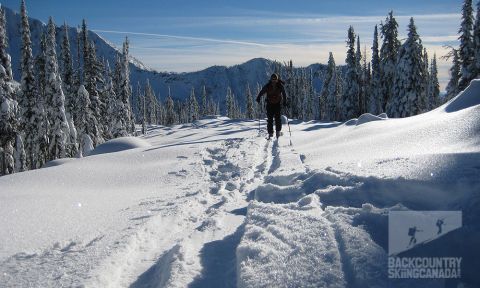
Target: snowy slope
x=214, y=204
x=216, y=78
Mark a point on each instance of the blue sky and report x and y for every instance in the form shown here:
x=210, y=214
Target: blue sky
x=186, y=36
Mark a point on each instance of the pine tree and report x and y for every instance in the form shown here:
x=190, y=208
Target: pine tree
x=87, y=123
x=434, y=86
x=476, y=44
x=466, y=52
x=93, y=83
x=58, y=128
x=229, y=103
x=204, y=111
x=351, y=92
x=423, y=101
x=144, y=115
x=376, y=98
x=20, y=156
x=328, y=93
x=311, y=110
x=33, y=118
x=150, y=104
x=409, y=77
x=366, y=84
x=8, y=105
x=170, y=117
x=125, y=88
x=452, y=86
x=118, y=120
x=361, y=105
x=91, y=74
x=110, y=99
x=5, y=59
x=193, y=109
x=388, y=58
x=8, y=124
x=67, y=72
x=68, y=86
x=250, y=107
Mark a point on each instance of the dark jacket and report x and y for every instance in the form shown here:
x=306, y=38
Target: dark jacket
x=275, y=95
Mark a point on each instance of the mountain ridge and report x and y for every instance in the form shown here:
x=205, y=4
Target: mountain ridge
x=215, y=78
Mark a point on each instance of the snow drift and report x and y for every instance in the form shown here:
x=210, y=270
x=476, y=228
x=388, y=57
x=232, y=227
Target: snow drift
x=119, y=144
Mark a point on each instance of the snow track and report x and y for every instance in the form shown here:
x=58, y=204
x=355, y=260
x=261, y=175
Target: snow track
x=171, y=252
x=290, y=240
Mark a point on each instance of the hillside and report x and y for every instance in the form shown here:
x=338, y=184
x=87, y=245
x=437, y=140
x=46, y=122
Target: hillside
x=214, y=204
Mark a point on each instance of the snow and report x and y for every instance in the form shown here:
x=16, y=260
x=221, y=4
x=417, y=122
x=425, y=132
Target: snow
x=57, y=162
x=214, y=204
x=119, y=144
x=467, y=98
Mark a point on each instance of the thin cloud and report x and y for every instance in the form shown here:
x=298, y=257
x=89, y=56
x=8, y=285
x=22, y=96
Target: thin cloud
x=224, y=41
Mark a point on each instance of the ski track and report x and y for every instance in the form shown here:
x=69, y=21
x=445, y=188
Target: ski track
x=214, y=234
x=287, y=188
x=216, y=246
x=171, y=252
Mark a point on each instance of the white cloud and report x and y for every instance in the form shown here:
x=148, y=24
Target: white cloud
x=305, y=40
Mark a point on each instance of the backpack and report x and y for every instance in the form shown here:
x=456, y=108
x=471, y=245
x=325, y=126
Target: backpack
x=411, y=231
x=274, y=95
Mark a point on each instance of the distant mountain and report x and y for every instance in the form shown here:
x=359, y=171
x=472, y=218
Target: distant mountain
x=216, y=78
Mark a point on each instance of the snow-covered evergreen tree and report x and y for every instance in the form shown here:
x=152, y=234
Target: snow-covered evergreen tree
x=8, y=158
x=204, y=108
x=366, y=84
x=170, y=117
x=452, y=86
x=423, y=101
x=150, y=104
x=58, y=132
x=20, y=156
x=33, y=118
x=5, y=59
x=351, y=87
x=8, y=104
x=409, y=77
x=376, y=98
x=388, y=58
x=434, y=86
x=193, y=108
x=250, y=106
x=328, y=93
x=8, y=124
x=87, y=123
x=67, y=72
x=143, y=111
x=361, y=105
x=110, y=99
x=476, y=44
x=466, y=51
x=125, y=88
x=229, y=103
x=68, y=85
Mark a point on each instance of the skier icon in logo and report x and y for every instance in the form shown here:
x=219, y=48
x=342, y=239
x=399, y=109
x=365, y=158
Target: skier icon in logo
x=411, y=232
x=439, y=225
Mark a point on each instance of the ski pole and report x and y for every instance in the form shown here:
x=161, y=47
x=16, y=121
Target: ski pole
x=259, y=126
x=289, y=131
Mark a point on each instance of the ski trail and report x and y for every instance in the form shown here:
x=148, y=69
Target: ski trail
x=288, y=208
x=202, y=229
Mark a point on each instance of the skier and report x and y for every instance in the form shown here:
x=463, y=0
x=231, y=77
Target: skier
x=440, y=223
x=411, y=232
x=275, y=94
